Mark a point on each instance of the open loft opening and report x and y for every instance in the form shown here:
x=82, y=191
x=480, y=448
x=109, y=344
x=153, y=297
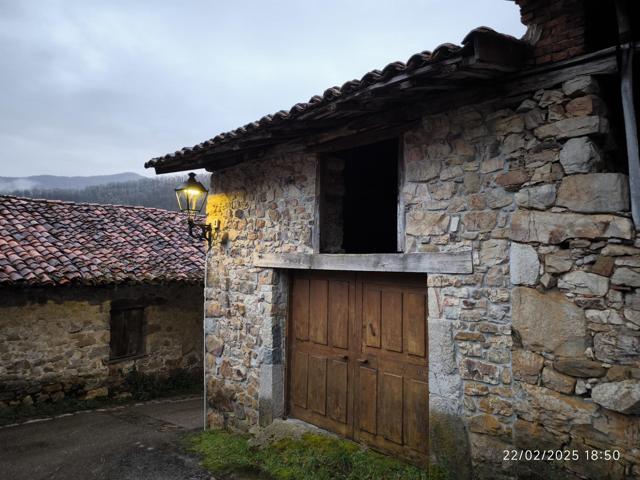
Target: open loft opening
x=359, y=199
x=603, y=22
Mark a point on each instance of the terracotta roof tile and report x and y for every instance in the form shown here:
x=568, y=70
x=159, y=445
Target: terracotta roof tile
x=50, y=242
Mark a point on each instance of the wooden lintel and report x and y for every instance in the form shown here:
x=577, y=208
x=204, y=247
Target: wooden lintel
x=602, y=62
x=430, y=262
x=355, y=139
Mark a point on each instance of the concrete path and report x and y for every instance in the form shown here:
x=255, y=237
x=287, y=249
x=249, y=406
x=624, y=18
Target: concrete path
x=131, y=443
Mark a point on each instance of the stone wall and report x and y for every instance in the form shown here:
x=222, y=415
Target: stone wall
x=538, y=348
x=54, y=342
x=262, y=207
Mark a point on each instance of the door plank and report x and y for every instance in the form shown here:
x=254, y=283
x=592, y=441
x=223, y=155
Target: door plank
x=392, y=320
x=300, y=308
x=299, y=378
x=391, y=407
x=337, y=390
x=318, y=297
x=415, y=320
x=371, y=317
x=317, y=376
x=339, y=314
x=416, y=414
x=367, y=405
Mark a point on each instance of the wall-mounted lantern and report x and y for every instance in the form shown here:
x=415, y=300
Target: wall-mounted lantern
x=192, y=196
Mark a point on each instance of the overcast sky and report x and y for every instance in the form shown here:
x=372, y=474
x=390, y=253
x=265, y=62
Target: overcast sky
x=93, y=87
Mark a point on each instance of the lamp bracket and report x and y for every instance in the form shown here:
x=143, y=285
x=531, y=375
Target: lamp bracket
x=202, y=231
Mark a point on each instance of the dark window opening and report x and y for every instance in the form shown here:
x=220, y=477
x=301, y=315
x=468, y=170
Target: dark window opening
x=601, y=23
x=636, y=91
x=634, y=19
x=615, y=145
x=126, y=333
x=360, y=200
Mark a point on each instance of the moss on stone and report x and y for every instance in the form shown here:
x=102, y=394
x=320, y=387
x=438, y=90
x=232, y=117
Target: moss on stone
x=449, y=444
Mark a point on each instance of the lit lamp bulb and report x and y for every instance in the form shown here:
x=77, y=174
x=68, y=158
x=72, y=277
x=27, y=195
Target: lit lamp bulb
x=191, y=196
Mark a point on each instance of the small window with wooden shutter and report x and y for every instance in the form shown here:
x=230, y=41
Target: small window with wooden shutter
x=127, y=338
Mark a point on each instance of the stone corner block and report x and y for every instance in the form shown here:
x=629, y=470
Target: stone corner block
x=524, y=264
x=548, y=322
x=579, y=155
x=595, y=193
x=623, y=397
x=554, y=228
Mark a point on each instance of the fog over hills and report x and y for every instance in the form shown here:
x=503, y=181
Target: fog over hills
x=9, y=184
x=119, y=189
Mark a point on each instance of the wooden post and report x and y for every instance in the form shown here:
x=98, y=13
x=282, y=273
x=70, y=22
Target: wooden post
x=400, y=242
x=315, y=232
x=630, y=122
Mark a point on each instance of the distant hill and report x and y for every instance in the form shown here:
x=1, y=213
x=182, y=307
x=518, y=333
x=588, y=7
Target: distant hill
x=157, y=192
x=8, y=184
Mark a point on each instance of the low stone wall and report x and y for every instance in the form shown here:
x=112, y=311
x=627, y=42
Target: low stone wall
x=54, y=342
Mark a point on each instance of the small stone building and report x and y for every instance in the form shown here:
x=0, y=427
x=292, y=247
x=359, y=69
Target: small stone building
x=87, y=292
x=440, y=259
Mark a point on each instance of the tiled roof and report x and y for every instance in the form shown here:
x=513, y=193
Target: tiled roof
x=50, y=242
x=447, y=62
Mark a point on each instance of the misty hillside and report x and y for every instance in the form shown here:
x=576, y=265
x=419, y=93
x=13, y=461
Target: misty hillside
x=158, y=192
x=9, y=184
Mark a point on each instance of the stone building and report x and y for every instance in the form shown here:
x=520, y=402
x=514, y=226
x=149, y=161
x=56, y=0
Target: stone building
x=87, y=292
x=440, y=259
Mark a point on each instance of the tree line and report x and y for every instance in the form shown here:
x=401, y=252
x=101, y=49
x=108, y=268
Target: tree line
x=156, y=192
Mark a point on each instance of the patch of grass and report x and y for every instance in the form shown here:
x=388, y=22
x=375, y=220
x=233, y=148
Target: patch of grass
x=312, y=457
x=224, y=452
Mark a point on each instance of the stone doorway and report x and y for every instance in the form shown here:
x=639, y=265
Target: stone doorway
x=358, y=359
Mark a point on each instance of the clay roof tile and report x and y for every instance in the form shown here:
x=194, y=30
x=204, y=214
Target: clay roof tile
x=49, y=242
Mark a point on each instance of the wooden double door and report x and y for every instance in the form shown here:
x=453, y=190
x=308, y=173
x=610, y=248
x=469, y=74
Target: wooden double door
x=358, y=358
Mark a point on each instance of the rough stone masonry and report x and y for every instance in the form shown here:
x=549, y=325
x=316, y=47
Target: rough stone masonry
x=54, y=343
x=538, y=348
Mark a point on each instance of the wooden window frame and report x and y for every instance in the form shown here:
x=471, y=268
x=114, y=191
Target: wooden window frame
x=141, y=350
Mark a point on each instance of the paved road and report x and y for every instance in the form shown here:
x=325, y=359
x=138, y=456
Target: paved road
x=133, y=443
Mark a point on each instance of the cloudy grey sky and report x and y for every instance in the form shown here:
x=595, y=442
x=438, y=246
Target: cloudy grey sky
x=92, y=87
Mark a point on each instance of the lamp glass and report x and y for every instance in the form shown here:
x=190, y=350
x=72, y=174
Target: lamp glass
x=191, y=196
